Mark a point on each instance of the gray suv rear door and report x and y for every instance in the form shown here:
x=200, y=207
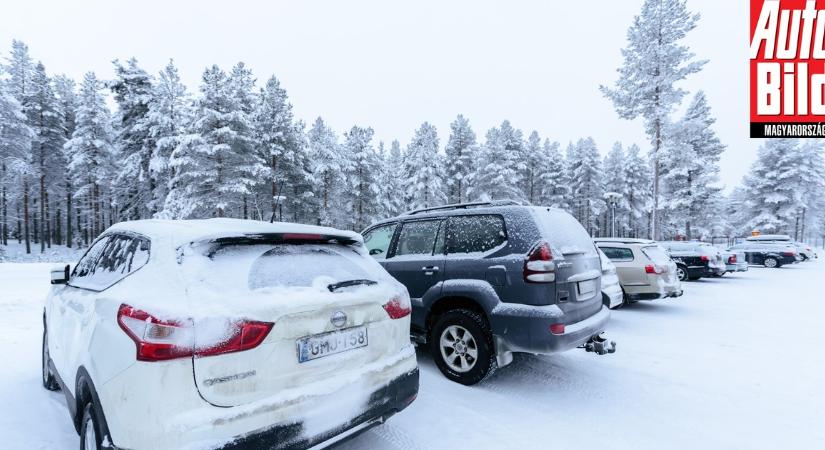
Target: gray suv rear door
x=474, y=250
x=417, y=258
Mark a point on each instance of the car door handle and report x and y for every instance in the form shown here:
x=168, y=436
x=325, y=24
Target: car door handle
x=429, y=270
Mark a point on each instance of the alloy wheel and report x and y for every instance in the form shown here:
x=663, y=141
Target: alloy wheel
x=770, y=263
x=681, y=274
x=458, y=348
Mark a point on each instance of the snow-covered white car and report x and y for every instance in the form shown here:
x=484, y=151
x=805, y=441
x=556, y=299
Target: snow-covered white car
x=612, y=293
x=225, y=333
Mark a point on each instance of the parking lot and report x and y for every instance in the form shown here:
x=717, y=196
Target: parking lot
x=736, y=362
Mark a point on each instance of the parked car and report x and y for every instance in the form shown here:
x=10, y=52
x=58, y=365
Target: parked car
x=695, y=259
x=768, y=254
x=492, y=278
x=645, y=270
x=612, y=294
x=735, y=260
x=804, y=251
x=173, y=334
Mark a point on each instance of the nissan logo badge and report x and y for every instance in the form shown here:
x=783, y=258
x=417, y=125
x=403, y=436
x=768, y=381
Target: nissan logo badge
x=339, y=319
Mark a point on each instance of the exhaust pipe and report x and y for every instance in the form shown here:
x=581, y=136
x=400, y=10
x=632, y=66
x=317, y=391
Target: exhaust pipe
x=599, y=345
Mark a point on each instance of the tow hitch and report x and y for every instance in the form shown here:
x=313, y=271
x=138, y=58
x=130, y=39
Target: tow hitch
x=599, y=345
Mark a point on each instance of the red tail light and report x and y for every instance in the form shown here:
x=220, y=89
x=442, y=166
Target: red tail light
x=732, y=259
x=538, y=265
x=705, y=258
x=557, y=328
x=650, y=268
x=788, y=253
x=398, y=307
x=161, y=340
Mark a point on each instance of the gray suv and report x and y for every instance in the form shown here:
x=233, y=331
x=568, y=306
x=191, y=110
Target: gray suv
x=490, y=279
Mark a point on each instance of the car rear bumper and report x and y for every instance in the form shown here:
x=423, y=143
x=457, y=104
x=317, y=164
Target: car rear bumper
x=654, y=295
x=533, y=330
x=614, y=295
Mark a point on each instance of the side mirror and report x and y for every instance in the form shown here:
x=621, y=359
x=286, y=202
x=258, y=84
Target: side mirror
x=376, y=251
x=60, y=274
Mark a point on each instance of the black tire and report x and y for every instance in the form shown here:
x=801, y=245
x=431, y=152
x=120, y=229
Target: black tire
x=90, y=420
x=48, y=378
x=771, y=262
x=476, y=324
x=682, y=273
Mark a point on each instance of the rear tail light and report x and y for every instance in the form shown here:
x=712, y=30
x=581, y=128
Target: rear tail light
x=650, y=268
x=705, y=258
x=557, y=328
x=732, y=259
x=398, y=307
x=788, y=253
x=161, y=340
x=538, y=264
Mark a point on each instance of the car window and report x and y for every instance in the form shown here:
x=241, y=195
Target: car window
x=475, y=234
x=656, y=254
x=121, y=256
x=87, y=263
x=618, y=254
x=417, y=238
x=564, y=233
x=378, y=240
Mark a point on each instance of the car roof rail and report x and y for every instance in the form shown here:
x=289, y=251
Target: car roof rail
x=454, y=206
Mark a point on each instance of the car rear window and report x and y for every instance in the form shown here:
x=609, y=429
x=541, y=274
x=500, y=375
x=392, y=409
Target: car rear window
x=656, y=254
x=564, y=232
x=618, y=253
x=262, y=266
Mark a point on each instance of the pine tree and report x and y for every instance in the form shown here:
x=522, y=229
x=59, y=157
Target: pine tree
x=586, y=180
x=554, y=179
x=133, y=89
x=615, y=182
x=362, y=177
x=461, y=151
x=15, y=159
x=654, y=61
x=423, y=170
x=772, y=188
x=533, y=169
x=638, y=192
x=215, y=166
x=328, y=167
x=67, y=101
x=392, y=182
x=499, y=173
x=90, y=152
x=169, y=114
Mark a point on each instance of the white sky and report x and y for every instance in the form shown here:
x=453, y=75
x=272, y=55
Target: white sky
x=392, y=66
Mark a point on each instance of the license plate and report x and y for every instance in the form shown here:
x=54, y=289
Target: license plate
x=586, y=287
x=334, y=342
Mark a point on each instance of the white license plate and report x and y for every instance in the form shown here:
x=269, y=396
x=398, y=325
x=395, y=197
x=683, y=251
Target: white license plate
x=587, y=287
x=334, y=342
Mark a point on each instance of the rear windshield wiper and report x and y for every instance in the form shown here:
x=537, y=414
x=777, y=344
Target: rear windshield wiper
x=342, y=284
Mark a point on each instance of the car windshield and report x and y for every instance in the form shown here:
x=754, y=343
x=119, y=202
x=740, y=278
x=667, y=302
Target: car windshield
x=564, y=232
x=262, y=266
x=656, y=254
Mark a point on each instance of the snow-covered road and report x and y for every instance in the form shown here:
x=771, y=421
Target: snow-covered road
x=735, y=363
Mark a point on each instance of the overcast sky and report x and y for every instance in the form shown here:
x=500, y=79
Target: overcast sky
x=392, y=66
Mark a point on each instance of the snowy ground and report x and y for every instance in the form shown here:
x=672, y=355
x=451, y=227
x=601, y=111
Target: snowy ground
x=735, y=363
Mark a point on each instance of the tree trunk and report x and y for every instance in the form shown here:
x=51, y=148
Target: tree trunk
x=43, y=219
x=47, y=214
x=68, y=215
x=26, y=213
x=654, y=220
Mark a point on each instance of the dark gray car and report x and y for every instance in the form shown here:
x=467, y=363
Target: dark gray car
x=489, y=279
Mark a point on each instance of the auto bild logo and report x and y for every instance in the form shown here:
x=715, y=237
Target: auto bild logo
x=338, y=319
x=787, y=68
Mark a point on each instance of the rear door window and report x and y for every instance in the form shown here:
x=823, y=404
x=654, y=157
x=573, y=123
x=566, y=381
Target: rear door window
x=121, y=256
x=86, y=265
x=417, y=238
x=618, y=254
x=378, y=240
x=475, y=234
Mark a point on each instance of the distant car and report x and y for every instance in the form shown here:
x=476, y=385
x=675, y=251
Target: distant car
x=735, y=260
x=645, y=270
x=804, y=252
x=768, y=254
x=612, y=294
x=489, y=279
x=236, y=333
x=695, y=259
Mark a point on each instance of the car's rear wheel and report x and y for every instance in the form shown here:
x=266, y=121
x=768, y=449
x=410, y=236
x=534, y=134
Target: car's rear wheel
x=49, y=380
x=771, y=263
x=462, y=345
x=682, y=273
x=90, y=437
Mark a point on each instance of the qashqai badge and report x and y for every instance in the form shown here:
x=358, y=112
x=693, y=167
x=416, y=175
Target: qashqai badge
x=339, y=319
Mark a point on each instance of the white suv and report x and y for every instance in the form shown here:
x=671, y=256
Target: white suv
x=225, y=333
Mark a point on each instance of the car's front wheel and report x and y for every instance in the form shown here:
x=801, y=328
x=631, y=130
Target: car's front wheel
x=49, y=380
x=90, y=437
x=771, y=262
x=461, y=343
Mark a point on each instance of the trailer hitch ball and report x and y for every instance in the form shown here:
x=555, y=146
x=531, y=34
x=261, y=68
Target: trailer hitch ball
x=599, y=345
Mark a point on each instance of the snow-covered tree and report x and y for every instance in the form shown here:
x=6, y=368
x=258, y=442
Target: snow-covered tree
x=215, y=166
x=363, y=189
x=391, y=182
x=637, y=192
x=423, y=170
x=65, y=90
x=533, y=168
x=328, y=167
x=615, y=182
x=554, y=179
x=655, y=59
x=499, y=173
x=461, y=152
x=15, y=161
x=134, y=186
x=772, y=195
x=90, y=152
x=585, y=166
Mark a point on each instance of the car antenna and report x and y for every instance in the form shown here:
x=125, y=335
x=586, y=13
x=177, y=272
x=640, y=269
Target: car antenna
x=277, y=200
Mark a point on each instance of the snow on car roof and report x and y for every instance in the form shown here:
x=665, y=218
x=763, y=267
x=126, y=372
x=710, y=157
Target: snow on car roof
x=624, y=240
x=185, y=231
